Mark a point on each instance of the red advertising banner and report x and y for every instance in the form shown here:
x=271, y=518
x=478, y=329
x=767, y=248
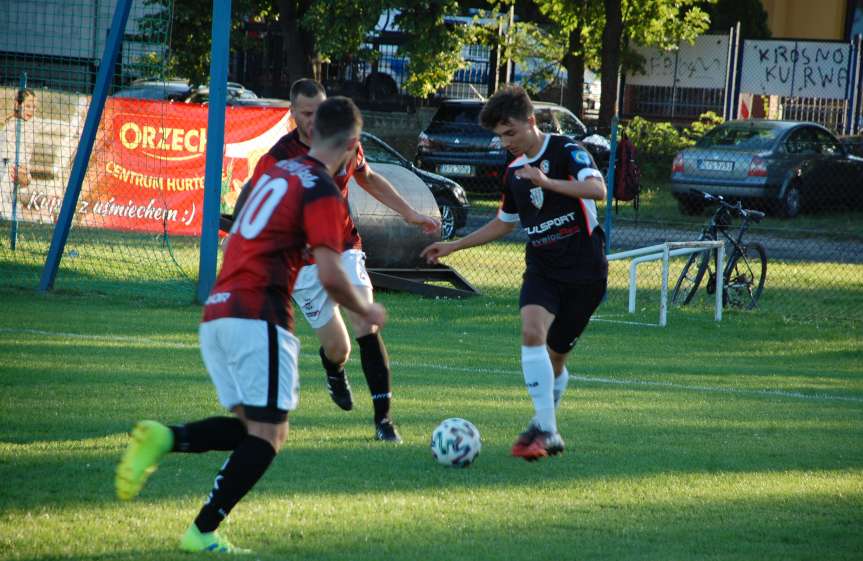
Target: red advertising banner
x=146, y=172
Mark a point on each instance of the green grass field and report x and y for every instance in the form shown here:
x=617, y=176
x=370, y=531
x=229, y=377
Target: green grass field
x=734, y=440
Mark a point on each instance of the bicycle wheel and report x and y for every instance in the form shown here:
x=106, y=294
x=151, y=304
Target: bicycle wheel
x=745, y=276
x=690, y=278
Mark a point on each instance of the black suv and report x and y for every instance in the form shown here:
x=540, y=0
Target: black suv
x=455, y=145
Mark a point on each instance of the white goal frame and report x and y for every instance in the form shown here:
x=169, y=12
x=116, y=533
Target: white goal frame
x=665, y=251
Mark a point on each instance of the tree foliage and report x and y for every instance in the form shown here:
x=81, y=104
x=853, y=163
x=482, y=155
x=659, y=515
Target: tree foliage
x=725, y=14
x=433, y=47
x=340, y=27
x=190, y=28
x=574, y=33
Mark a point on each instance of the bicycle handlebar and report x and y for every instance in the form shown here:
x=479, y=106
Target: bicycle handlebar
x=754, y=215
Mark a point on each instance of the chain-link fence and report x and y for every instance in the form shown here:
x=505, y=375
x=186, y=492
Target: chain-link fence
x=138, y=221
x=800, y=175
x=121, y=237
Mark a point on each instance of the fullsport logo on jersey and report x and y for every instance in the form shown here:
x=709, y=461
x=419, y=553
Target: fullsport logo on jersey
x=564, y=225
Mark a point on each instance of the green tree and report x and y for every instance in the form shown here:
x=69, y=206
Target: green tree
x=603, y=30
x=190, y=28
x=725, y=14
x=316, y=31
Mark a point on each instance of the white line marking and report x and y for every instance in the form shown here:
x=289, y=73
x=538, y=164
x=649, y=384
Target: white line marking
x=591, y=379
x=620, y=382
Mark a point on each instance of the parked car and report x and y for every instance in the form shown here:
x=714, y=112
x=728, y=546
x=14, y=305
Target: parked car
x=168, y=90
x=258, y=102
x=456, y=146
x=450, y=197
x=788, y=166
x=236, y=93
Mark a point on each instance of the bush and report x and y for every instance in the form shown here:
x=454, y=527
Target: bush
x=658, y=142
x=705, y=123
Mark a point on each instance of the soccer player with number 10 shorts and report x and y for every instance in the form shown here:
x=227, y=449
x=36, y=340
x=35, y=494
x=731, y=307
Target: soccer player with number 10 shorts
x=551, y=188
x=246, y=335
x=321, y=312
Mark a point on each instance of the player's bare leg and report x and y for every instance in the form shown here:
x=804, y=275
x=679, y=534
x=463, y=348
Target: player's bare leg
x=541, y=438
x=376, y=367
x=334, y=352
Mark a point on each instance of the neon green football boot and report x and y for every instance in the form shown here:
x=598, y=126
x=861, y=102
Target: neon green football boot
x=150, y=442
x=195, y=541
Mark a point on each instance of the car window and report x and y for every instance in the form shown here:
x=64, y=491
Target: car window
x=802, y=141
x=149, y=92
x=377, y=153
x=569, y=124
x=546, y=121
x=826, y=143
x=747, y=137
x=458, y=113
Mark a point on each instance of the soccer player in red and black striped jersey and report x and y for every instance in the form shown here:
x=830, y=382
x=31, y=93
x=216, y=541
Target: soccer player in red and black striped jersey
x=246, y=335
x=551, y=188
x=318, y=308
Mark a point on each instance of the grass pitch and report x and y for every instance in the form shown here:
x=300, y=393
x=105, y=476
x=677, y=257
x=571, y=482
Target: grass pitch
x=737, y=440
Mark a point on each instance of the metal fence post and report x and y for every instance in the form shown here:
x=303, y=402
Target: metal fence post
x=13, y=233
x=215, y=147
x=609, y=197
x=853, y=91
x=730, y=59
x=85, y=147
x=735, y=77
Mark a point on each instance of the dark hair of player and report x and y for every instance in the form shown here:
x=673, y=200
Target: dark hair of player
x=306, y=87
x=23, y=94
x=507, y=104
x=336, y=121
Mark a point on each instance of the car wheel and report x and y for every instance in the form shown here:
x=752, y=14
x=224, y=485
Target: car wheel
x=690, y=206
x=790, y=203
x=447, y=219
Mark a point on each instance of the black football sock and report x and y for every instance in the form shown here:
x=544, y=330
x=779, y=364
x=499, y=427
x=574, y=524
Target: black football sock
x=333, y=370
x=239, y=474
x=376, y=367
x=215, y=433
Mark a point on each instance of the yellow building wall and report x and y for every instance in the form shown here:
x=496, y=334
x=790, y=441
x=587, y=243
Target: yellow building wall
x=806, y=19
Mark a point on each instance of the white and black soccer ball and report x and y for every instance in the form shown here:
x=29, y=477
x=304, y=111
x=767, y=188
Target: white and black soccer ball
x=455, y=442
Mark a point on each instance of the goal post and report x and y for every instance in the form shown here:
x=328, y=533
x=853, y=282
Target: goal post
x=85, y=146
x=127, y=184
x=215, y=146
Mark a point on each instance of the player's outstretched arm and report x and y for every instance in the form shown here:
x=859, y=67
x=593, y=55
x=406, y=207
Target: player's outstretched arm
x=381, y=189
x=336, y=283
x=493, y=230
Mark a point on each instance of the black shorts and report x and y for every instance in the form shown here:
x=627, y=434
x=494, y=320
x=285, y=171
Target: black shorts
x=571, y=303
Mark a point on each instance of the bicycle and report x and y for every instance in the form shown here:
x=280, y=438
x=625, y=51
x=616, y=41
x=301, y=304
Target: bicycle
x=745, y=268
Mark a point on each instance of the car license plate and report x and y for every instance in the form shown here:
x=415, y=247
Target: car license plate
x=455, y=169
x=715, y=165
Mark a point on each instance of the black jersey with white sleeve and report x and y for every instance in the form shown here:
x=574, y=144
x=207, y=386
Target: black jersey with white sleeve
x=565, y=241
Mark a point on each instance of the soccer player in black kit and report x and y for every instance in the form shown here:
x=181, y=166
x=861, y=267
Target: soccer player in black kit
x=551, y=187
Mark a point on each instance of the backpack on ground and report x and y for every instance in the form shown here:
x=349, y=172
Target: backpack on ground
x=627, y=176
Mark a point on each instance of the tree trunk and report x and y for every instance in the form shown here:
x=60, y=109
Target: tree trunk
x=574, y=95
x=297, y=45
x=610, y=66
